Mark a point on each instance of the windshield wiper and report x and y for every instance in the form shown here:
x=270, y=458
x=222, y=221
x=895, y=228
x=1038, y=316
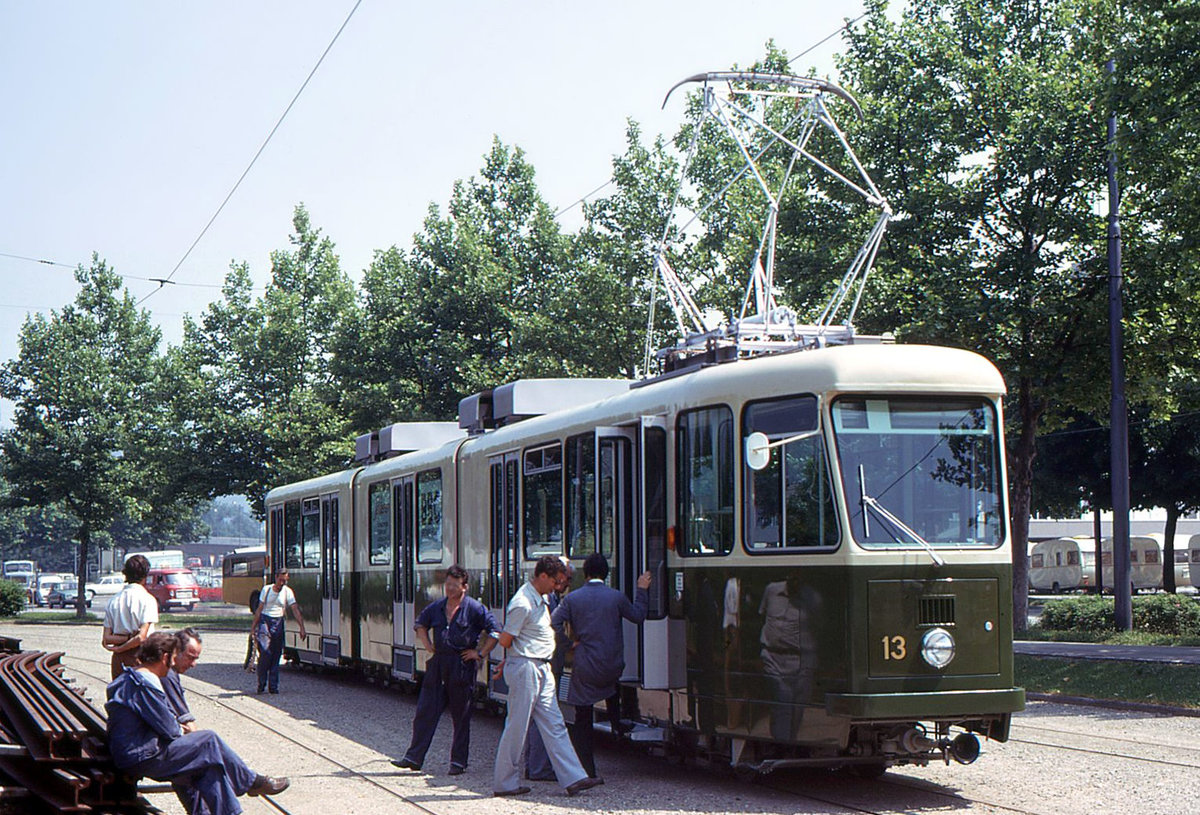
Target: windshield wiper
x=870, y=503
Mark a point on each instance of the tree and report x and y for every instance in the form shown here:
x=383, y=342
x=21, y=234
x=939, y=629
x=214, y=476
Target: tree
x=82, y=384
x=252, y=393
x=477, y=301
x=986, y=123
x=1168, y=475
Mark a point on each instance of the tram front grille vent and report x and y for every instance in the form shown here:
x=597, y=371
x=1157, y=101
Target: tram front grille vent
x=936, y=609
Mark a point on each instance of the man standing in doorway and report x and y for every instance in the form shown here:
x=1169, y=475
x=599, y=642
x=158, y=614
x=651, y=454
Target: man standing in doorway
x=268, y=627
x=594, y=612
x=463, y=635
x=529, y=641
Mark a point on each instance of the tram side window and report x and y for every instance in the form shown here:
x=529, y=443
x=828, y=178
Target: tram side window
x=291, y=535
x=542, y=495
x=789, y=503
x=705, y=476
x=380, y=520
x=311, y=534
x=429, y=516
x=581, y=495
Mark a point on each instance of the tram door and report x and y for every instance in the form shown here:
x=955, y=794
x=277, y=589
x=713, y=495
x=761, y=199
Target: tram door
x=404, y=663
x=662, y=638
x=331, y=583
x=505, y=557
x=616, y=509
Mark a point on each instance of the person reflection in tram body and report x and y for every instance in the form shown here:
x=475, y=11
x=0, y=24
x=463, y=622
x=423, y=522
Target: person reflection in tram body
x=789, y=613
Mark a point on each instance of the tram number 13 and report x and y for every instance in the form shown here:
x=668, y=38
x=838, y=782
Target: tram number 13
x=895, y=648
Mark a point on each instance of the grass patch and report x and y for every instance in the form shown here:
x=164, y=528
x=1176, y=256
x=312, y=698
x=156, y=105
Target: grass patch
x=1149, y=682
x=1036, y=634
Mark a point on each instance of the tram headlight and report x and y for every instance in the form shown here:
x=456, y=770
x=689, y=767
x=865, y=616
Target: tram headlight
x=937, y=647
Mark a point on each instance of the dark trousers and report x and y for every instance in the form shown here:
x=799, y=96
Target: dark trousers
x=206, y=773
x=582, y=736
x=449, y=684
x=270, y=631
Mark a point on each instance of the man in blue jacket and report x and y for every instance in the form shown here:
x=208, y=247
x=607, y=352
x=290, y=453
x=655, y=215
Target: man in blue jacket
x=463, y=635
x=145, y=739
x=594, y=612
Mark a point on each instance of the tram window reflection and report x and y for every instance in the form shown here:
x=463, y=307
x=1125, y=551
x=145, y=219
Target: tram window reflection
x=542, y=496
x=291, y=535
x=581, y=495
x=380, y=522
x=429, y=516
x=311, y=531
x=705, y=478
x=789, y=503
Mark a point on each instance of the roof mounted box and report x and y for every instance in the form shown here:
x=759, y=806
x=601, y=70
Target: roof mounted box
x=536, y=397
x=405, y=437
x=475, y=413
x=366, y=447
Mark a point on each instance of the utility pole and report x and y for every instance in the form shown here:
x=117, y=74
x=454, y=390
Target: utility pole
x=1120, y=417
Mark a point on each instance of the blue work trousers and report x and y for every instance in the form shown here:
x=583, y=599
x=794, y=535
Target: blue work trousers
x=269, y=637
x=207, y=774
x=449, y=684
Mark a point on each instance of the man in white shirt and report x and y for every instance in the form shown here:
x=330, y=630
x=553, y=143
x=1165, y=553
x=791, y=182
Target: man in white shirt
x=268, y=627
x=130, y=616
x=529, y=642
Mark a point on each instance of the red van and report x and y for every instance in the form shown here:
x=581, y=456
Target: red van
x=173, y=588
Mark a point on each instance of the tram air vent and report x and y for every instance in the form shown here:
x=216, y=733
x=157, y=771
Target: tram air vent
x=936, y=609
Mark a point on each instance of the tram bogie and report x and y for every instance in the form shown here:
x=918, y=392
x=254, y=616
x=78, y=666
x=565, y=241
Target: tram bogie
x=844, y=602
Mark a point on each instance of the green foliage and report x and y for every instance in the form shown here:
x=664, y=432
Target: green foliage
x=12, y=598
x=87, y=415
x=1089, y=613
x=1168, y=614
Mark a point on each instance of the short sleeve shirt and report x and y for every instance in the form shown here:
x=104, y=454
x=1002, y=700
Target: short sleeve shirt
x=528, y=621
x=274, y=603
x=130, y=609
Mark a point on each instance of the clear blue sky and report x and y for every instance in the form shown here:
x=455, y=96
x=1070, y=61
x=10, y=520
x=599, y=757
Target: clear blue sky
x=125, y=124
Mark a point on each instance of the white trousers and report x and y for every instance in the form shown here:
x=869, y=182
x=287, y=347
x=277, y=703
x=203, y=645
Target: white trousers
x=531, y=696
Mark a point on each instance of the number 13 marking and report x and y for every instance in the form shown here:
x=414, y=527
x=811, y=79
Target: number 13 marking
x=894, y=648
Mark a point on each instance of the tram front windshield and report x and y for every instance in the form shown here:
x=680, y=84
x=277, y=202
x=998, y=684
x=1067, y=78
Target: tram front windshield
x=919, y=472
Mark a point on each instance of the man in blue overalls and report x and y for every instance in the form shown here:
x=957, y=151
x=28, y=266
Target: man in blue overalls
x=463, y=636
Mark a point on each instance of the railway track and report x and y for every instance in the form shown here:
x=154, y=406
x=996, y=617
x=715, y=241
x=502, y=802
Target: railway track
x=984, y=788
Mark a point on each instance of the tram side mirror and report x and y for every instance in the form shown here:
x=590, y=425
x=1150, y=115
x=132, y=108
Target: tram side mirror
x=758, y=447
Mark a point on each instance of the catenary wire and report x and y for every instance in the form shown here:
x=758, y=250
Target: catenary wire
x=168, y=279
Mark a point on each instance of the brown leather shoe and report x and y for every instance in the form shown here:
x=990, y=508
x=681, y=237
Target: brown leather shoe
x=584, y=784
x=507, y=793
x=266, y=785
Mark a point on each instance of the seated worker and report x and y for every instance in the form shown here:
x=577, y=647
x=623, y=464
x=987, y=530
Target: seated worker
x=145, y=739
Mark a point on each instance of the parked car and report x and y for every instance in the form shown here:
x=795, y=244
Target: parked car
x=63, y=595
x=45, y=584
x=210, y=587
x=173, y=588
x=107, y=585
x=194, y=563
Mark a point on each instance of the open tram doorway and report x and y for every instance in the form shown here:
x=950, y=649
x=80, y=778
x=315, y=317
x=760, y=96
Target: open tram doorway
x=631, y=513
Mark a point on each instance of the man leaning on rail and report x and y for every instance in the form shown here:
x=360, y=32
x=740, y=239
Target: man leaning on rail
x=145, y=739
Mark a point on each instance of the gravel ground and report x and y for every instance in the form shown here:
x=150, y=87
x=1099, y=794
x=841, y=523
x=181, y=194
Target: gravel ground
x=336, y=734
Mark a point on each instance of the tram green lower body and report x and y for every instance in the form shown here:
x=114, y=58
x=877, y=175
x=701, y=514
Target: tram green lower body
x=829, y=656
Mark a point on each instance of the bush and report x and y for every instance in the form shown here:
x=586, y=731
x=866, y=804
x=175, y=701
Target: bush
x=12, y=598
x=1166, y=614
x=1154, y=614
x=1089, y=613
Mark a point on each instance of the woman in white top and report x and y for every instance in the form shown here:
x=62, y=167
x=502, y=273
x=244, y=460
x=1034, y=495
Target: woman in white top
x=130, y=616
x=268, y=625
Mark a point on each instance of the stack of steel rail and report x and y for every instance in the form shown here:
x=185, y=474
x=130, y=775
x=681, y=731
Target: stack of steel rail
x=53, y=743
